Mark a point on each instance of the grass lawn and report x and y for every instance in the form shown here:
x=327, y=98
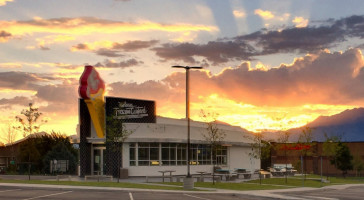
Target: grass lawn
x=311, y=181
x=278, y=183
x=96, y=184
x=267, y=184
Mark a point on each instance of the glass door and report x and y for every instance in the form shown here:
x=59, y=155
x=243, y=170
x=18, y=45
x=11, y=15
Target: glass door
x=98, y=161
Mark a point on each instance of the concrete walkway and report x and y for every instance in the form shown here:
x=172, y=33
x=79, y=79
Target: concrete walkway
x=277, y=194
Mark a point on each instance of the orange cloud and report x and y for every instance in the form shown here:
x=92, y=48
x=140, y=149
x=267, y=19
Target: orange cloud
x=10, y=65
x=3, y=2
x=265, y=14
x=239, y=14
x=88, y=25
x=277, y=98
x=300, y=22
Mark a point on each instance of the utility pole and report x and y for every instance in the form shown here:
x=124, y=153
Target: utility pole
x=188, y=177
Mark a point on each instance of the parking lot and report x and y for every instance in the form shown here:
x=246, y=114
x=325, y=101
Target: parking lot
x=28, y=193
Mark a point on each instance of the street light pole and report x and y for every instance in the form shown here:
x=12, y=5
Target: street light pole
x=187, y=68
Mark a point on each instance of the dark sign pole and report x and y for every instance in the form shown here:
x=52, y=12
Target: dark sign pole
x=188, y=114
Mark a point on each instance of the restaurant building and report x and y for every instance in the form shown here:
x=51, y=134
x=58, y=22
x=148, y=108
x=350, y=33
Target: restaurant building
x=155, y=144
x=161, y=144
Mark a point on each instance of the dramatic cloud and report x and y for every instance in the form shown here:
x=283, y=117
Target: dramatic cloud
x=80, y=47
x=307, y=39
x=216, y=52
x=302, y=38
x=134, y=45
x=4, y=36
x=109, y=53
x=124, y=64
x=51, y=39
x=325, y=78
x=19, y=80
x=265, y=14
x=89, y=25
x=239, y=14
x=114, y=49
x=3, y=2
x=18, y=100
x=300, y=22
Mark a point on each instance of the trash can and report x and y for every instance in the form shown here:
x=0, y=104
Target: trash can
x=124, y=174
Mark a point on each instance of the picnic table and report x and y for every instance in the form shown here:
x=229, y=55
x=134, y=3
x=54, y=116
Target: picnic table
x=167, y=171
x=227, y=173
x=202, y=173
x=244, y=172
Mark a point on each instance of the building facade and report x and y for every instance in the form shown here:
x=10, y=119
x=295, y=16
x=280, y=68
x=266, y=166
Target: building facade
x=153, y=147
x=315, y=160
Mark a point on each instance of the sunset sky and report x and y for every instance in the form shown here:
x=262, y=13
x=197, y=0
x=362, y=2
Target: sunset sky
x=268, y=65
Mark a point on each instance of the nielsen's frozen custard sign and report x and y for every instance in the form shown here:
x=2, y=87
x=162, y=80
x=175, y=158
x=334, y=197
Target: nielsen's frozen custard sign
x=131, y=110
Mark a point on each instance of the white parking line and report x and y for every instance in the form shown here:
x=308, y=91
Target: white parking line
x=131, y=196
x=9, y=190
x=316, y=197
x=48, y=195
x=196, y=197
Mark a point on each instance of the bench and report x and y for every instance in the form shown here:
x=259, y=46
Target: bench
x=245, y=175
x=98, y=177
x=230, y=177
x=179, y=178
x=199, y=178
x=63, y=176
x=147, y=178
x=216, y=177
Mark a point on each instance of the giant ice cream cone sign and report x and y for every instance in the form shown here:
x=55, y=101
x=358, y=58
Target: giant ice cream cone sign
x=92, y=89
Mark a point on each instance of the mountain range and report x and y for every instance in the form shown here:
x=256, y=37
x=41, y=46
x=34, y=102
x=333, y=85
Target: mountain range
x=349, y=125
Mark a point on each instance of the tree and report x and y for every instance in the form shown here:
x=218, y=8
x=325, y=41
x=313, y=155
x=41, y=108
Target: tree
x=60, y=152
x=47, y=142
x=28, y=152
x=305, y=138
x=213, y=135
x=116, y=134
x=28, y=122
x=260, y=149
x=343, y=158
x=358, y=165
x=33, y=150
x=329, y=148
x=283, y=139
x=9, y=136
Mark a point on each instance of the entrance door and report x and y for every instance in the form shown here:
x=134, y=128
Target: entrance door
x=98, y=160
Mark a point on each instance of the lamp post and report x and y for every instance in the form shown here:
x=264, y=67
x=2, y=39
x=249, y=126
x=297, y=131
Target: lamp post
x=187, y=68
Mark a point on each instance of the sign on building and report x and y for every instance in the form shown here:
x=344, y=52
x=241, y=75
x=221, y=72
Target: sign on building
x=130, y=110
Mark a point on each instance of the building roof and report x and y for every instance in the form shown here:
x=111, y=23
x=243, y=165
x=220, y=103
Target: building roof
x=175, y=131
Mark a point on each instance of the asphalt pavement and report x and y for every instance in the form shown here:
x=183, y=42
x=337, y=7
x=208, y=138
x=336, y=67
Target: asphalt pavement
x=354, y=191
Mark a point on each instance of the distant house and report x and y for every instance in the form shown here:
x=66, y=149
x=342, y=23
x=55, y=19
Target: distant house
x=290, y=153
x=9, y=152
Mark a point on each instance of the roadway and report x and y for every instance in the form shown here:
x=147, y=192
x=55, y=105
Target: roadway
x=29, y=193
x=52, y=192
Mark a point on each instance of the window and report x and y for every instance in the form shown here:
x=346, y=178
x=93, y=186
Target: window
x=169, y=154
x=221, y=156
x=132, y=154
x=148, y=154
x=181, y=154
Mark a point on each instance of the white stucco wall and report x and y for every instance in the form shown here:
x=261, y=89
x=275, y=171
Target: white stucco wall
x=175, y=131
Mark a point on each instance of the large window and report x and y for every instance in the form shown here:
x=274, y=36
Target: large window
x=169, y=154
